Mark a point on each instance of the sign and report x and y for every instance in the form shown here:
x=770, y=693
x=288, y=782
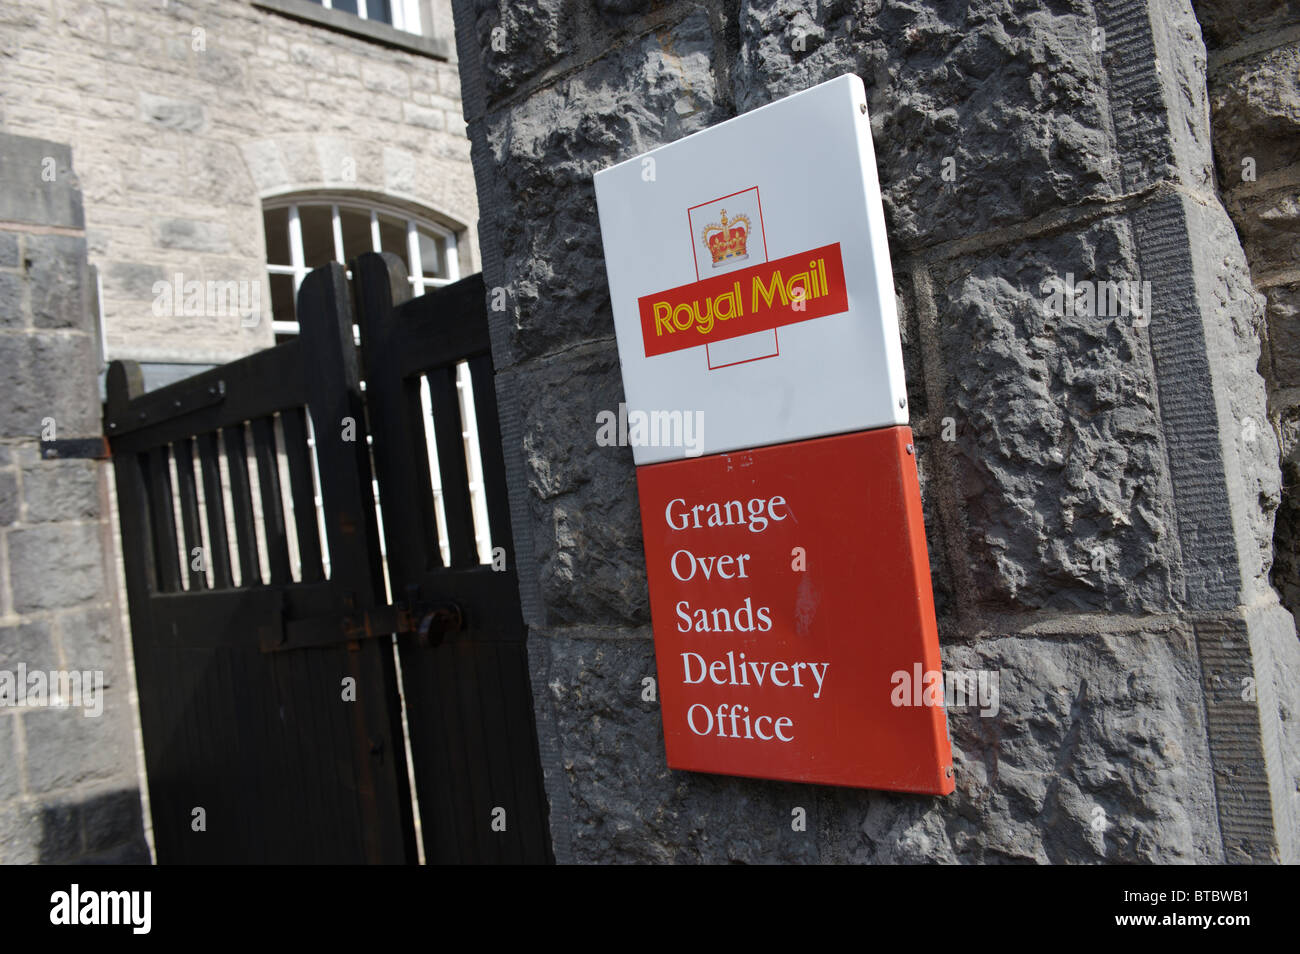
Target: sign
x=786, y=604
x=749, y=276
x=790, y=590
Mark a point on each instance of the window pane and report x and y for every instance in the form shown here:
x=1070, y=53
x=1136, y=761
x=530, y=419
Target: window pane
x=276, y=224
x=379, y=10
x=347, y=6
x=356, y=233
x=433, y=255
x=317, y=234
x=282, y=298
x=392, y=238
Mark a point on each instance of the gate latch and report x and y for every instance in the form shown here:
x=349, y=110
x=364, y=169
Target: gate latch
x=430, y=621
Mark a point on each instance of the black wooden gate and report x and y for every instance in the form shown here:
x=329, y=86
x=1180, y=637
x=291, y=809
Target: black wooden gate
x=268, y=682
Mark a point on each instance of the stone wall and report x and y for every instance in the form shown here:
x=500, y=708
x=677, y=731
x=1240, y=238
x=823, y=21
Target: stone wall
x=1254, y=80
x=68, y=781
x=1100, y=529
x=183, y=115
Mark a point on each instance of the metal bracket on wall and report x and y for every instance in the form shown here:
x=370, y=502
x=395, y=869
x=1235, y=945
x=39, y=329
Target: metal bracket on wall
x=76, y=448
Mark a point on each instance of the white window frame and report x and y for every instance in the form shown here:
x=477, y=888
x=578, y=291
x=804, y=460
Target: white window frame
x=406, y=14
x=298, y=269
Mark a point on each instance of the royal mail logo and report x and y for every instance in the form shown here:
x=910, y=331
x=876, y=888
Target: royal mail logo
x=758, y=298
x=745, y=296
x=728, y=241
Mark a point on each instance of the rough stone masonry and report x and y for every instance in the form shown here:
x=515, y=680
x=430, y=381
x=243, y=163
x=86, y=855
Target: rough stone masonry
x=1101, y=521
x=68, y=784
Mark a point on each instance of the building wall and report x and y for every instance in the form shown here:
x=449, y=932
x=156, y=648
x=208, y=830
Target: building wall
x=1100, y=529
x=68, y=783
x=183, y=115
x=1254, y=80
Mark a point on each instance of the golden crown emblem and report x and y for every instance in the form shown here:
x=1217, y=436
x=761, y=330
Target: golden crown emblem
x=727, y=242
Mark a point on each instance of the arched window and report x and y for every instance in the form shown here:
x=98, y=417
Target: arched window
x=305, y=232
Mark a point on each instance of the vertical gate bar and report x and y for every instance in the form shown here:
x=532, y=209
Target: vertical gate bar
x=332, y=727
x=494, y=462
x=471, y=822
x=293, y=423
x=214, y=500
x=268, y=480
x=164, y=521
x=397, y=416
x=241, y=502
x=183, y=450
x=496, y=749
x=449, y=430
x=124, y=383
x=431, y=748
x=331, y=370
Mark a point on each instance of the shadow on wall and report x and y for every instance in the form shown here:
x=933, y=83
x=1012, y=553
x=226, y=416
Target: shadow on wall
x=105, y=829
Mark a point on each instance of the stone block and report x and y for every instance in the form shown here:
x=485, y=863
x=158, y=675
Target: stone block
x=1256, y=109
x=546, y=151
x=9, y=502
x=58, y=282
x=49, y=377
x=113, y=818
x=89, y=644
x=133, y=280
x=65, y=748
x=40, y=186
x=1011, y=99
x=587, y=530
x=1058, y=459
x=11, y=785
x=191, y=235
x=628, y=805
x=30, y=644
x=182, y=115
x=1283, y=312
x=1096, y=752
x=55, y=566
x=8, y=250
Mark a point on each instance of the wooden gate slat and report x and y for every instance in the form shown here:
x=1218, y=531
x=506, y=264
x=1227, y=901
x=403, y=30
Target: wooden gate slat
x=449, y=431
x=493, y=459
x=268, y=480
x=293, y=423
x=214, y=502
x=496, y=746
x=183, y=454
x=241, y=505
x=163, y=519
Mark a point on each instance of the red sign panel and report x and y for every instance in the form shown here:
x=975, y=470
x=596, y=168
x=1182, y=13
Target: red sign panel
x=789, y=587
x=764, y=296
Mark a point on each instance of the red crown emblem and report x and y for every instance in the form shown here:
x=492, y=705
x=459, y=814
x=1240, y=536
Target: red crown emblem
x=727, y=242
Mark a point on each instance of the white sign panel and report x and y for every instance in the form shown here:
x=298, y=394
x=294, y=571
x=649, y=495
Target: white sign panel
x=750, y=280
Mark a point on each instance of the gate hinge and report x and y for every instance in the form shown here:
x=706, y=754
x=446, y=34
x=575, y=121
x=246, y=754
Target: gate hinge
x=76, y=448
